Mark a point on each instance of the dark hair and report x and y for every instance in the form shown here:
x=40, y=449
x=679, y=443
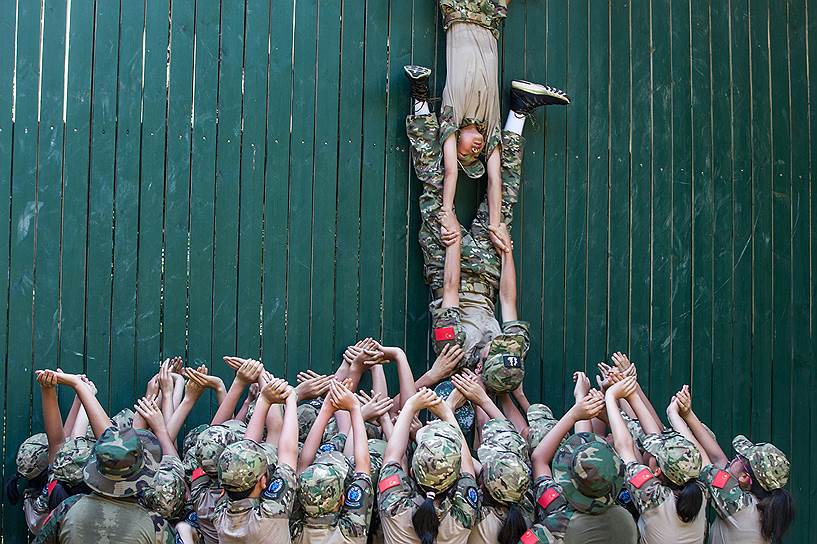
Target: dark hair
x=62, y=491
x=514, y=526
x=776, y=510
x=425, y=521
x=688, y=500
x=13, y=489
x=239, y=495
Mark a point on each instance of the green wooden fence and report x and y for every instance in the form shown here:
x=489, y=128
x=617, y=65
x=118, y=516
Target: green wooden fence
x=211, y=178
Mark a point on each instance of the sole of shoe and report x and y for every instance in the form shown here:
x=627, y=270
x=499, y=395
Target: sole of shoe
x=417, y=72
x=538, y=89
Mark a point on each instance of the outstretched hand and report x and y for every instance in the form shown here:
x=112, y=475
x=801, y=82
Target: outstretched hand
x=501, y=238
x=150, y=412
x=447, y=361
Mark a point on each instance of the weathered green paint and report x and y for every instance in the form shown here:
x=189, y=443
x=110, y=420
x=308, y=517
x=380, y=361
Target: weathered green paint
x=668, y=212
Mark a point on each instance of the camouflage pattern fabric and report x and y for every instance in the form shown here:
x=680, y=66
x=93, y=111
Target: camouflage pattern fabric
x=448, y=126
x=540, y=423
x=241, y=465
x=189, y=448
x=166, y=493
x=501, y=435
x=237, y=427
x=471, y=325
x=538, y=534
x=307, y=414
x=589, y=472
x=321, y=485
x=209, y=446
x=727, y=497
x=552, y=509
x=373, y=431
x=71, y=459
x=123, y=462
x=123, y=419
x=32, y=456
x=504, y=369
x=279, y=497
x=377, y=447
x=505, y=475
x=35, y=508
x=679, y=459
x=634, y=426
x=645, y=489
x=487, y=13
x=272, y=456
x=356, y=512
x=436, y=462
x=250, y=412
x=769, y=464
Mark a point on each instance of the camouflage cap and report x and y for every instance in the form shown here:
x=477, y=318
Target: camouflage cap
x=32, y=456
x=473, y=170
x=209, y=446
x=123, y=462
x=634, y=426
x=123, y=419
x=504, y=369
x=166, y=493
x=71, y=459
x=436, y=461
x=237, y=426
x=241, y=465
x=373, y=431
x=769, y=464
x=504, y=475
x=321, y=486
x=678, y=458
x=272, y=454
x=377, y=448
x=250, y=412
x=465, y=414
x=500, y=434
x=540, y=423
x=307, y=414
x=331, y=431
x=589, y=471
x=192, y=436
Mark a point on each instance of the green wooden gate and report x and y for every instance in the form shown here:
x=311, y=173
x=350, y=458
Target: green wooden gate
x=210, y=178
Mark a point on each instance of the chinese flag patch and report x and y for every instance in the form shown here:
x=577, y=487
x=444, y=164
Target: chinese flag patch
x=641, y=478
x=444, y=333
x=720, y=479
x=529, y=537
x=51, y=485
x=548, y=497
x=198, y=473
x=388, y=483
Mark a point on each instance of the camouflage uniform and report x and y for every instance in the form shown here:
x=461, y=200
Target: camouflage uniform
x=123, y=419
x=205, y=489
x=71, y=459
x=501, y=435
x=472, y=324
x=540, y=423
x=738, y=517
x=189, y=448
x=487, y=13
x=122, y=466
x=32, y=460
x=167, y=492
x=680, y=461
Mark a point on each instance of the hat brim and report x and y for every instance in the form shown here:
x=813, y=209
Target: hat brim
x=475, y=170
x=576, y=498
x=130, y=486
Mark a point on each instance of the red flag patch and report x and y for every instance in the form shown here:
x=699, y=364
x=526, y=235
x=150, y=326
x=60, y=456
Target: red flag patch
x=720, y=479
x=388, y=483
x=51, y=485
x=444, y=333
x=548, y=497
x=198, y=473
x=529, y=537
x=641, y=478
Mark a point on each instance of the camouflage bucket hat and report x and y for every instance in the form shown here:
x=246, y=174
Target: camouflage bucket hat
x=32, y=456
x=769, y=464
x=504, y=369
x=123, y=419
x=589, y=471
x=71, y=459
x=238, y=427
x=307, y=414
x=678, y=458
x=166, y=494
x=465, y=414
x=436, y=461
x=209, y=446
x=540, y=423
x=123, y=462
x=501, y=435
x=377, y=448
x=241, y=465
x=473, y=170
x=321, y=486
x=505, y=476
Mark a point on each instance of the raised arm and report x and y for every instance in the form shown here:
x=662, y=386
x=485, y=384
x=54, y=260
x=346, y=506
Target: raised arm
x=507, y=276
x=621, y=435
x=628, y=369
x=52, y=419
x=288, y=444
x=150, y=412
x=709, y=445
x=680, y=426
x=444, y=412
x=343, y=399
x=274, y=392
x=97, y=417
x=246, y=374
x=313, y=439
x=405, y=376
x=397, y=445
x=445, y=363
x=581, y=388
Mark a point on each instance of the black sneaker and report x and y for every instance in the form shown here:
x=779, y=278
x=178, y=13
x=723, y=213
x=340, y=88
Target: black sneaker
x=418, y=78
x=527, y=96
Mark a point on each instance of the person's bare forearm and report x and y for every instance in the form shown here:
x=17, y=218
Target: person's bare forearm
x=621, y=435
x=167, y=404
x=97, y=416
x=70, y=421
x=709, y=444
x=644, y=415
x=275, y=424
x=178, y=391
x=288, y=445
x=494, y=192
x=361, y=442
x=450, y=186
x=52, y=421
x=650, y=408
x=451, y=275
x=544, y=452
x=507, y=287
x=313, y=439
x=680, y=426
x=166, y=442
x=227, y=408
x=180, y=415
x=405, y=376
x=81, y=423
x=379, y=384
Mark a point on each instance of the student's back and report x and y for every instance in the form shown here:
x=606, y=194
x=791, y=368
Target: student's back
x=614, y=526
x=94, y=518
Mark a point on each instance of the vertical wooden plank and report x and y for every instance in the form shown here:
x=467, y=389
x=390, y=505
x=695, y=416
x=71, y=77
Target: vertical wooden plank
x=555, y=302
x=76, y=166
x=302, y=149
x=253, y=151
x=597, y=204
x=703, y=220
x=126, y=205
x=681, y=293
x=8, y=23
x=177, y=182
x=326, y=186
x=100, y=198
x=742, y=215
x=23, y=226
x=811, y=48
x=723, y=204
x=49, y=191
x=761, y=220
x=642, y=94
x=151, y=192
x=620, y=113
x=276, y=185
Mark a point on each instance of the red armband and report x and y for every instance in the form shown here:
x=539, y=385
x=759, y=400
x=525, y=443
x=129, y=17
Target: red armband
x=721, y=479
x=548, y=497
x=529, y=537
x=388, y=483
x=51, y=485
x=444, y=333
x=641, y=478
x=198, y=473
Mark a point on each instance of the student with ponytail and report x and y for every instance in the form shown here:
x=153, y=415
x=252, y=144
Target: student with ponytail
x=751, y=505
x=437, y=500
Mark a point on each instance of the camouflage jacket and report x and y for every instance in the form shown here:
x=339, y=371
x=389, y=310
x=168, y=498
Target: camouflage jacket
x=553, y=512
x=727, y=497
x=487, y=13
x=646, y=491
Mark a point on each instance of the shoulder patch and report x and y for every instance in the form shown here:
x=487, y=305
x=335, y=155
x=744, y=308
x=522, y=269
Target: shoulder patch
x=529, y=537
x=198, y=473
x=641, y=478
x=511, y=361
x=274, y=488
x=326, y=447
x=354, y=496
x=444, y=333
x=721, y=479
x=388, y=483
x=472, y=496
x=550, y=495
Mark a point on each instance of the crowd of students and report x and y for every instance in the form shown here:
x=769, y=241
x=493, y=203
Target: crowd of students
x=456, y=455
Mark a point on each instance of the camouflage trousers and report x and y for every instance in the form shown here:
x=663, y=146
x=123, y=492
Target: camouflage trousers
x=480, y=262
